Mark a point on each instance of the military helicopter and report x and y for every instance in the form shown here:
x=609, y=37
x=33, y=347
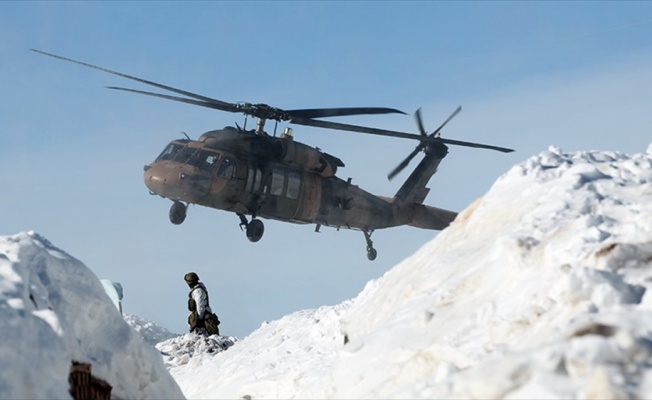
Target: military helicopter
x=253, y=173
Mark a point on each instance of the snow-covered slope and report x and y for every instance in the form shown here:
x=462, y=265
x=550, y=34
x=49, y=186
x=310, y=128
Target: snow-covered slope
x=538, y=289
x=53, y=311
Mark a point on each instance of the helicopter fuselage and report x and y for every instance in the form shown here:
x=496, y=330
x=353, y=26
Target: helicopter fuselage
x=270, y=177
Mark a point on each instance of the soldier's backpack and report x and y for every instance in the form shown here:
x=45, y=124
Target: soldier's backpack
x=211, y=322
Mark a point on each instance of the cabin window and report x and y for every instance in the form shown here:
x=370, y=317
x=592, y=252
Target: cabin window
x=169, y=152
x=258, y=179
x=227, y=168
x=294, y=185
x=278, y=180
x=250, y=179
x=254, y=177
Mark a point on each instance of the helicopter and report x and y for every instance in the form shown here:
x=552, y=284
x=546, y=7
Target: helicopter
x=261, y=175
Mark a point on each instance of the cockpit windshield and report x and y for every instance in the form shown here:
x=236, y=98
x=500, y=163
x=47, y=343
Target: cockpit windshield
x=183, y=156
x=170, y=151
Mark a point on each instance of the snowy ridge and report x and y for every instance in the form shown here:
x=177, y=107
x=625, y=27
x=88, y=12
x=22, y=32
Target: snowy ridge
x=53, y=310
x=538, y=289
x=149, y=330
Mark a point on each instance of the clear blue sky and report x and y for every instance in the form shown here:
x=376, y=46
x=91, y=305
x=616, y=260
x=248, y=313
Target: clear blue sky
x=528, y=75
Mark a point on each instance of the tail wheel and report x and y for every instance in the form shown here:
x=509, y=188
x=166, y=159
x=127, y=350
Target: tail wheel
x=255, y=230
x=178, y=212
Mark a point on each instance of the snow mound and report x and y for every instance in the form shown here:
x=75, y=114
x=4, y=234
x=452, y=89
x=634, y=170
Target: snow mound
x=151, y=332
x=53, y=311
x=181, y=350
x=296, y=350
x=537, y=290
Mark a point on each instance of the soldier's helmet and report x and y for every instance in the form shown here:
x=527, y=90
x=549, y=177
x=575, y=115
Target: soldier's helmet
x=191, y=277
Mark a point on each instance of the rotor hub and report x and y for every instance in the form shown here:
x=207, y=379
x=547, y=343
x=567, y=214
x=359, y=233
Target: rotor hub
x=263, y=111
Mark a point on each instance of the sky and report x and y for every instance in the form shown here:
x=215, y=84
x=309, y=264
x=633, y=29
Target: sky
x=540, y=289
x=527, y=74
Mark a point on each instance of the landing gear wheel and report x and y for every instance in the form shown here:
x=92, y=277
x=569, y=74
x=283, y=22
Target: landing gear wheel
x=178, y=212
x=255, y=230
x=371, y=253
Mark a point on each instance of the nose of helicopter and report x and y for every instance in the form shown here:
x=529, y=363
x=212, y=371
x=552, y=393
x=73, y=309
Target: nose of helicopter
x=176, y=181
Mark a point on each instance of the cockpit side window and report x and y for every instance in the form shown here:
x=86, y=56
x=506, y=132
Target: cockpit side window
x=210, y=161
x=170, y=151
x=205, y=160
x=226, y=170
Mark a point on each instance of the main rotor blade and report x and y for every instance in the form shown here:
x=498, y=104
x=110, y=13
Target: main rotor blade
x=169, y=97
x=457, y=110
x=230, y=107
x=339, y=112
x=221, y=105
x=385, y=132
x=405, y=162
x=356, y=128
x=300, y=117
x=476, y=145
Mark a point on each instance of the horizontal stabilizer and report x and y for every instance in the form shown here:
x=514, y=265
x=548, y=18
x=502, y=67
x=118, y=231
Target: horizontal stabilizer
x=428, y=217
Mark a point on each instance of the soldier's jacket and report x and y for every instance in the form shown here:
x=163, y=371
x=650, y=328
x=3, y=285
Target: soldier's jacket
x=198, y=300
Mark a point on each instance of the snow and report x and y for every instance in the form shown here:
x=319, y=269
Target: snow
x=539, y=289
x=53, y=311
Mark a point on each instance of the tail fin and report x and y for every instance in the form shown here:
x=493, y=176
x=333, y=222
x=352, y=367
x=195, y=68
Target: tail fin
x=414, y=189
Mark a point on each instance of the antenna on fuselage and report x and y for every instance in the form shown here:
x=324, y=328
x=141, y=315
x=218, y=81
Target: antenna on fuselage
x=260, y=126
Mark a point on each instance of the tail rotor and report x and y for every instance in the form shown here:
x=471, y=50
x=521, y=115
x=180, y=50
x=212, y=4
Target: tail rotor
x=423, y=143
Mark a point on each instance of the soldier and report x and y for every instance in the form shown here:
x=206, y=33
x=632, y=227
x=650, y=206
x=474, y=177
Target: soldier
x=201, y=319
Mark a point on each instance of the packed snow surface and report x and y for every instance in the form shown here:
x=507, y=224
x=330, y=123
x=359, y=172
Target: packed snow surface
x=539, y=289
x=53, y=311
